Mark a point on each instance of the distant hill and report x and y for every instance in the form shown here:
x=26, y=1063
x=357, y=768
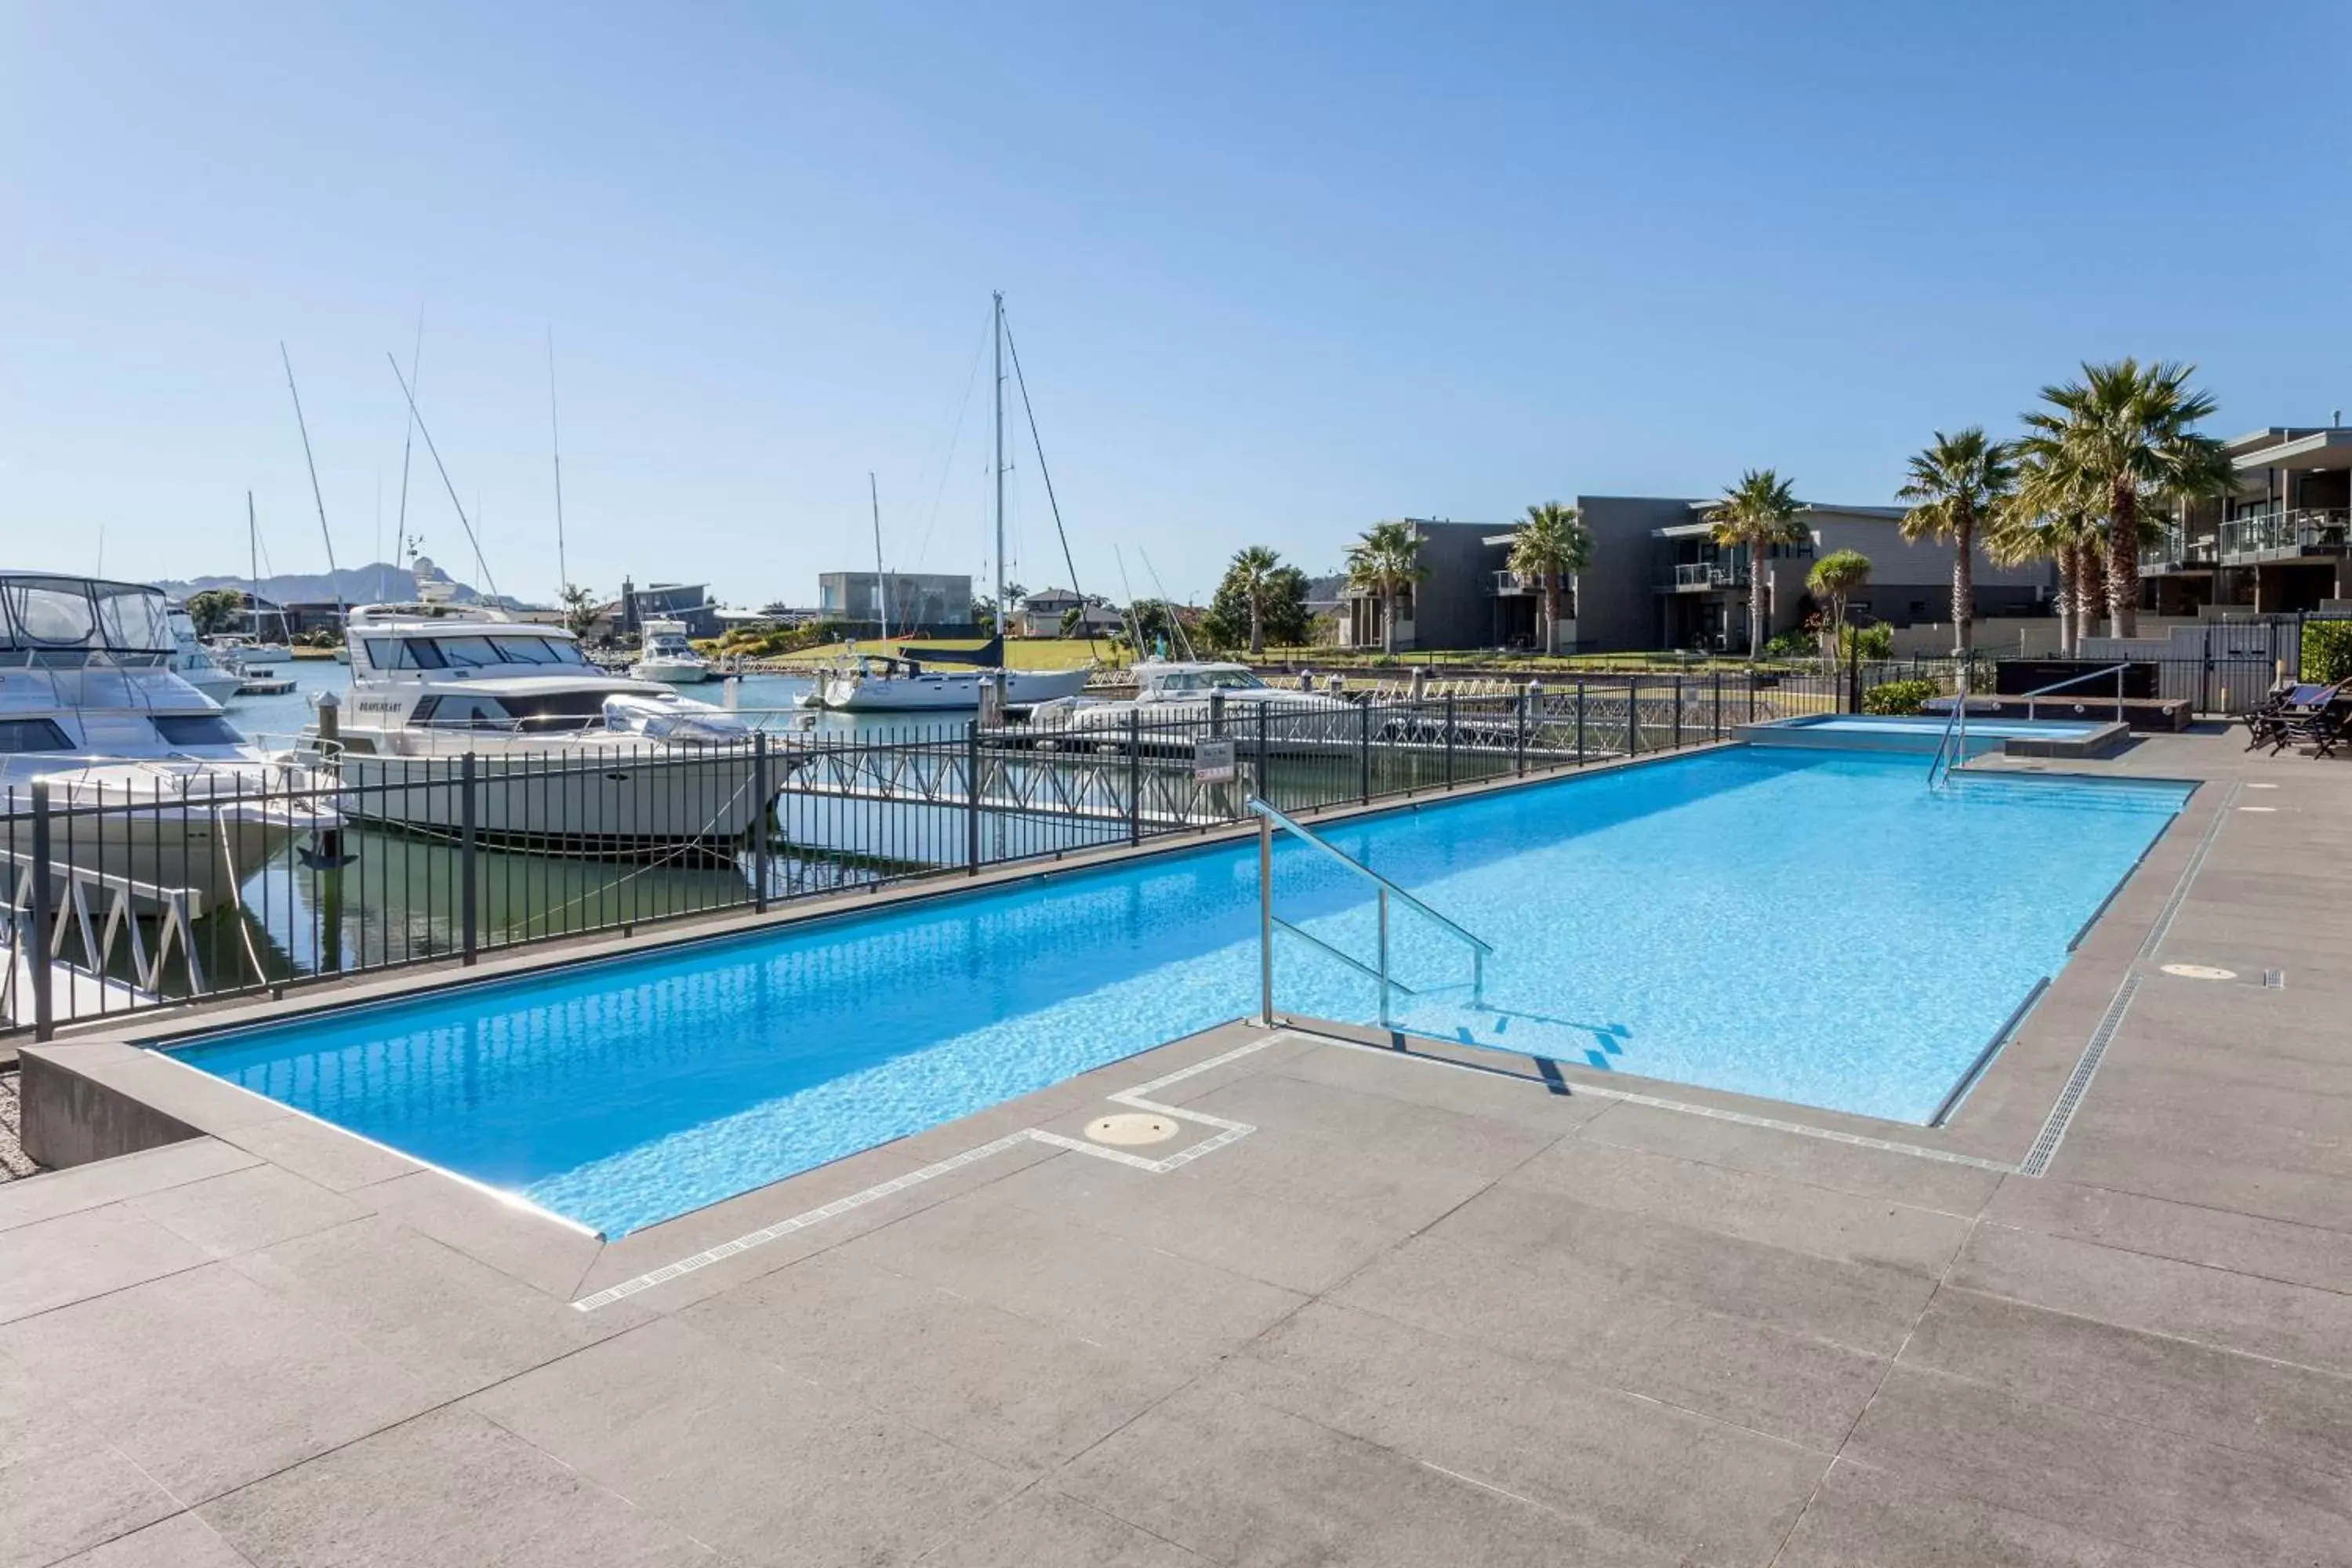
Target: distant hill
x=382, y=582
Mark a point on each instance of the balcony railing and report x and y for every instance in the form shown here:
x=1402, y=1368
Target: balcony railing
x=2308, y=529
x=1691, y=576
x=2173, y=553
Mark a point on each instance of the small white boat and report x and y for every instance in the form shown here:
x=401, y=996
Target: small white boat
x=192, y=663
x=883, y=683
x=669, y=656
x=1169, y=689
x=146, y=779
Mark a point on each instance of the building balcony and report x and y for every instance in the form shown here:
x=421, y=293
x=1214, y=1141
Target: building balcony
x=2175, y=554
x=1530, y=583
x=1700, y=576
x=2282, y=535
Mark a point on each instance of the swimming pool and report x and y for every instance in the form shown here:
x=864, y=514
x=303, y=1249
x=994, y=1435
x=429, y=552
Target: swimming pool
x=1805, y=925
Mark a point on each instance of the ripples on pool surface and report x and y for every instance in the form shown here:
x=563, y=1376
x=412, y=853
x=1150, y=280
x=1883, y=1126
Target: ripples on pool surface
x=1808, y=926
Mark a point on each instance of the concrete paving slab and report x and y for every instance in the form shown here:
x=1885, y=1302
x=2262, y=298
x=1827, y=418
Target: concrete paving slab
x=2161, y=1295
x=207, y=1381
x=1477, y=1145
x=1117, y=1292
x=767, y=1468
x=31, y=1199
x=1788, y=1216
x=445, y=1488
x=63, y=1486
x=245, y=1209
x=1042, y=1527
x=543, y=1253
x=2218, y=1238
x=1865, y=1517
x=1519, y=1100
x=1025, y=1394
x=334, y=1159
x=53, y=1263
x=1815, y=1162
x=453, y=1324
x=2215, y=1395
x=1241, y=1483
x=1679, y=1482
x=2151, y=1490
x=183, y=1541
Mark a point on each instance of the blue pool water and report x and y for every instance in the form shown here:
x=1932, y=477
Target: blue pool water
x=1806, y=925
x=1935, y=725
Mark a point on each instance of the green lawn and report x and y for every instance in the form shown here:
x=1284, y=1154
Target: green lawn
x=1020, y=653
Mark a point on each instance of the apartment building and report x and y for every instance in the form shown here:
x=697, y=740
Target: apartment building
x=2276, y=546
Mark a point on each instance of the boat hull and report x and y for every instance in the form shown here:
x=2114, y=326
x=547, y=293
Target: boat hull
x=622, y=801
x=945, y=692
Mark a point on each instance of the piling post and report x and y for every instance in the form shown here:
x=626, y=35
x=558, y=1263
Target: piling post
x=762, y=850
x=972, y=797
x=37, y=948
x=469, y=845
x=1134, y=777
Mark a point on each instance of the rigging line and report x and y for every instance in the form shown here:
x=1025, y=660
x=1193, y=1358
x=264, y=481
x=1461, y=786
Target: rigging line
x=947, y=463
x=443, y=468
x=1085, y=624
x=333, y=575
x=408, y=442
x=555, y=441
x=1126, y=591
x=1175, y=621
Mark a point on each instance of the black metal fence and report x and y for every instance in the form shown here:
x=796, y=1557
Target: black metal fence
x=128, y=888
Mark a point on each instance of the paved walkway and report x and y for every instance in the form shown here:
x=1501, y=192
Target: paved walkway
x=1412, y=1314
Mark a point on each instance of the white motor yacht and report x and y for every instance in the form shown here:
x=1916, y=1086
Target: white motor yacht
x=669, y=656
x=568, y=758
x=195, y=664
x=147, y=781
x=1178, y=690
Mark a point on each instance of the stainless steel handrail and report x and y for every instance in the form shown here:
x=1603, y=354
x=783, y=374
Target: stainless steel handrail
x=1269, y=818
x=2115, y=669
x=1939, y=767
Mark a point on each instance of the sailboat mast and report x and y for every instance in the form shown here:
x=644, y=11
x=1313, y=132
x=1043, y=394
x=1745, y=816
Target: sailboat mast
x=997, y=335
x=881, y=581
x=252, y=569
x=334, y=574
x=555, y=439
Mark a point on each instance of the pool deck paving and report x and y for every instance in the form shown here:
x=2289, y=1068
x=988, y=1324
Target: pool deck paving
x=1365, y=1306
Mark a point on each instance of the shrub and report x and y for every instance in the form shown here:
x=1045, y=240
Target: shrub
x=1793, y=645
x=1868, y=642
x=2326, y=651
x=1898, y=697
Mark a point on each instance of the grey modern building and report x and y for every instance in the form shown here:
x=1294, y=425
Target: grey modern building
x=2278, y=544
x=932, y=603
x=1658, y=580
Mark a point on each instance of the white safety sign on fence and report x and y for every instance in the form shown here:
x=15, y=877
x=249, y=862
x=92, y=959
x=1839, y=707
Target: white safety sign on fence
x=1213, y=762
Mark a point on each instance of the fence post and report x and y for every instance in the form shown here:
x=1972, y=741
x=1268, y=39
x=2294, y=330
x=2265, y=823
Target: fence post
x=37, y=949
x=1580, y=720
x=1265, y=768
x=1364, y=752
x=1633, y=715
x=1715, y=723
x=468, y=833
x=1678, y=713
x=1520, y=724
x=1751, y=694
x=1853, y=677
x=1134, y=776
x=1449, y=740
x=762, y=850
x=972, y=797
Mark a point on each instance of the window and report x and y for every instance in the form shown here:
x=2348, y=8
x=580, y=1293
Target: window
x=402, y=653
x=32, y=735
x=48, y=614
x=133, y=620
x=466, y=713
x=1233, y=681
x=195, y=730
x=468, y=653
x=543, y=710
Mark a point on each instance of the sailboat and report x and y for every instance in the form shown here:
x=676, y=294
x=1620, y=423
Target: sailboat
x=911, y=681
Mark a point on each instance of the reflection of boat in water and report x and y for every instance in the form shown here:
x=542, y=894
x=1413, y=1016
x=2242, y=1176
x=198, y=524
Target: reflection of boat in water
x=146, y=780
x=669, y=656
x=564, y=758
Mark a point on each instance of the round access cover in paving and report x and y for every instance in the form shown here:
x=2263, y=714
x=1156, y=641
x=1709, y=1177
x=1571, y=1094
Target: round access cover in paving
x=2199, y=972
x=1132, y=1128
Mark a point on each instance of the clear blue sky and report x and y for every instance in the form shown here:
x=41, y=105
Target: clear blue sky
x=1275, y=271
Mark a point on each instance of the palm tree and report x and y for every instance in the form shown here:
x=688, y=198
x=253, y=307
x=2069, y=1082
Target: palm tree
x=1552, y=543
x=1253, y=571
x=1758, y=513
x=579, y=608
x=2125, y=431
x=2053, y=515
x=1385, y=563
x=1956, y=486
x=1837, y=577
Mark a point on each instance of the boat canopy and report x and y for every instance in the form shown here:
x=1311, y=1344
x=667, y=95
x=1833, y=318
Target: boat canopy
x=989, y=654
x=61, y=621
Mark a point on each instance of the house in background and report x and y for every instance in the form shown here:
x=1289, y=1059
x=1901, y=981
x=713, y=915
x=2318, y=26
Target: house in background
x=1658, y=580
x=1042, y=614
x=934, y=604
x=2278, y=545
x=688, y=602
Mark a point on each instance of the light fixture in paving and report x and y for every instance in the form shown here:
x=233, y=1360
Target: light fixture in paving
x=1128, y=1130
x=2199, y=972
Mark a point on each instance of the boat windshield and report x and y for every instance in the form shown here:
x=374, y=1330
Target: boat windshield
x=1207, y=680
x=60, y=621
x=470, y=652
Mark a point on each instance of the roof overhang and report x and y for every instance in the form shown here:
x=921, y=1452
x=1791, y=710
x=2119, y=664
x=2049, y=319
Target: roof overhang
x=2299, y=449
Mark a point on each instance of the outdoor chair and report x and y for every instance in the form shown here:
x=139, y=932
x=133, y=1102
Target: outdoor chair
x=2266, y=722
x=2318, y=723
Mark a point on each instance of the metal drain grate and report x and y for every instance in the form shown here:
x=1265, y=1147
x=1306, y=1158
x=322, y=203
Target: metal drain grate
x=2053, y=1131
